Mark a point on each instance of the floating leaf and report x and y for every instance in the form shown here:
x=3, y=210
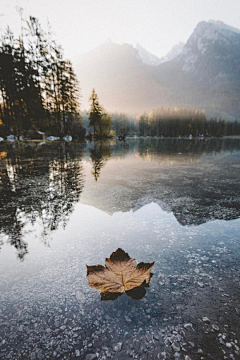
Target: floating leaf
x=120, y=274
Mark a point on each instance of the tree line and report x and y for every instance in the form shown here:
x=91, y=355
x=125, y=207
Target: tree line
x=162, y=122
x=182, y=122
x=39, y=91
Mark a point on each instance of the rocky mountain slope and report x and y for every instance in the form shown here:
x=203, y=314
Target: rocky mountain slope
x=204, y=73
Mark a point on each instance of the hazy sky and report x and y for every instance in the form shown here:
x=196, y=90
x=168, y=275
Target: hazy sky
x=157, y=25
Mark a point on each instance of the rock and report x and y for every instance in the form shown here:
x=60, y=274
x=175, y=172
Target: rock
x=171, y=339
x=11, y=137
x=177, y=355
x=117, y=347
x=175, y=347
x=228, y=345
x=67, y=138
x=32, y=356
x=77, y=353
x=188, y=326
x=215, y=327
x=109, y=355
x=221, y=341
x=187, y=357
x=52, y=138
x=91, y=357
x=39, y=354
x=206, y=320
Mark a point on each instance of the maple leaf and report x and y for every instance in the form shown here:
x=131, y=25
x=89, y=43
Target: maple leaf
x=119, y=274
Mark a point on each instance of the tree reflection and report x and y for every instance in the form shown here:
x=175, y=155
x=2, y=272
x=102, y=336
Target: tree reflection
x=195, y=179
x=99, y=156
x=182, y=150
x=38, y=184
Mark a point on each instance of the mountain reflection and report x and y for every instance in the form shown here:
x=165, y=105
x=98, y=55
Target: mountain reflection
x=38, y=182
x=197, y=181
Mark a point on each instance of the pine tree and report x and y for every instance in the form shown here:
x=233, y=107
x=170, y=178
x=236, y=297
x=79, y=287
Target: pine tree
x=98, y=118
x=38, y=87
x=95, y=113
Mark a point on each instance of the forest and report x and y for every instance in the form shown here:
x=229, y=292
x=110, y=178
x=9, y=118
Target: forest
x=39, y=94
x=169, y=122
x=39, y=91
x=183, y=122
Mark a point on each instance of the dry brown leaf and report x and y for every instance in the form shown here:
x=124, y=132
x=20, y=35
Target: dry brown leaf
x=120, y=274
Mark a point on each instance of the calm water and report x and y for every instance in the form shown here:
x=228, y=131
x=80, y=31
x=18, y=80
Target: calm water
x=65, y=205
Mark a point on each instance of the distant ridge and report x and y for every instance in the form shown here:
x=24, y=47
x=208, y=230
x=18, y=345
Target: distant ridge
x=204, y=73
x=146, y=57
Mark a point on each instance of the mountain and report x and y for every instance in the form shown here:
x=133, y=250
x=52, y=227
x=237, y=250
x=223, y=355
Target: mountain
x=173, y=53
x=150, y=59
x=146, y=57
x=121, y=80
x=211, y=48
x=186, y=179
x=204, y=73
x=212, y=57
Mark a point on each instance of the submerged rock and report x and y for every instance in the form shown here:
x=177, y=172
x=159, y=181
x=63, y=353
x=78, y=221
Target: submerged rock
x=90, y=356
x=117, y=347
x=206, y=320
x=188, y=326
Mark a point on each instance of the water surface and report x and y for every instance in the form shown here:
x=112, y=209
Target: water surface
x=65, y=205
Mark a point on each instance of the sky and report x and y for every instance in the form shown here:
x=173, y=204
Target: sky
x=157, y=25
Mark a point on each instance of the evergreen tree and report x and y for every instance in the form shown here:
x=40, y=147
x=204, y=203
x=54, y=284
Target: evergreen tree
x=98, y=119
x=38, y=87
x=95, y=112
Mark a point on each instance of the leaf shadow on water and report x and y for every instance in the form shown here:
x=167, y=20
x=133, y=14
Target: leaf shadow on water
x=136, y=293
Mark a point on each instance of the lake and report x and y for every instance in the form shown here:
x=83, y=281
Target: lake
x=173, y=202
